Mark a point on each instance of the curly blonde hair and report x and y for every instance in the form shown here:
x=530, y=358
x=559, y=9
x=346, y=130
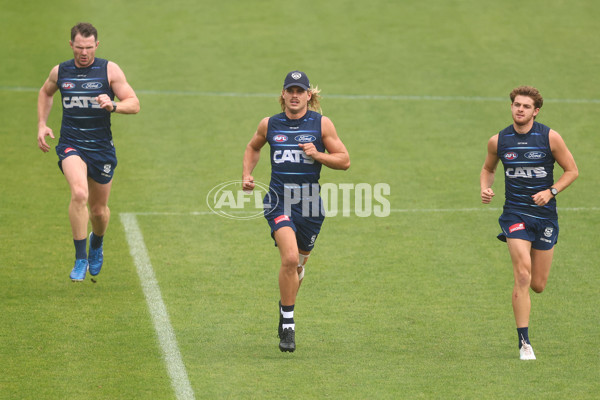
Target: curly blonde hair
x=314, y=103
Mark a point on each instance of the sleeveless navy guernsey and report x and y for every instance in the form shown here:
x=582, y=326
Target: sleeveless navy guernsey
x=528, y=169
x=84, y=124
x=290, y=166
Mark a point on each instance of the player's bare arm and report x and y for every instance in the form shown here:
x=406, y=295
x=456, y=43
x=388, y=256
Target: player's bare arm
x=252, y=154
x=337, y=156
x=565, y=159
x=45, y=101
x=128, y=101
x=488, y=171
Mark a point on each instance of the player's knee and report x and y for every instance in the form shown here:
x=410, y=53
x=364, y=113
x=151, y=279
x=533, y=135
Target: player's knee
x=289, y=261
x=523, y=278
x=99, y=211
x=79, y=195
x=538, y=287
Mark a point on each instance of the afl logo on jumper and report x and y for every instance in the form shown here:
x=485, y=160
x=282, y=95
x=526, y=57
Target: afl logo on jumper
x=280, y=138
x=68, y=85
x=511, y=155
x=305, y=138
x=92, y=85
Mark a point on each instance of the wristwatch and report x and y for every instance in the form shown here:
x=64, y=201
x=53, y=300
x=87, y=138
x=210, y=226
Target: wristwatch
x=114, y=107
x=554, y=191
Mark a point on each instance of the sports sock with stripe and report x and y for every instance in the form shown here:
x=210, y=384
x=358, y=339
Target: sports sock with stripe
x=288, y=317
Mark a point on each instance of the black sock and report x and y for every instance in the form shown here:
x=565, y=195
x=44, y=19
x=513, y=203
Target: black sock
x=523, y=335
x=96, y=241
x=80, y=251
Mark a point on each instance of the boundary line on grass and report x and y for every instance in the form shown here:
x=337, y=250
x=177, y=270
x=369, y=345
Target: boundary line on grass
x=158, y=310
x=333, y=96
x=393, y=210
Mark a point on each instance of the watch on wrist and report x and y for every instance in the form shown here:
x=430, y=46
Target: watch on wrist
x=554, y=191
x=114, y=103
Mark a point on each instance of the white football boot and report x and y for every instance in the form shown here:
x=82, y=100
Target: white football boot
x=526, y=351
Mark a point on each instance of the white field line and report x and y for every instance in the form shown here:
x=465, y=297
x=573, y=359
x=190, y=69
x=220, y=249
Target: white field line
x=346, y=211
x=157, y=308
x=332, y=96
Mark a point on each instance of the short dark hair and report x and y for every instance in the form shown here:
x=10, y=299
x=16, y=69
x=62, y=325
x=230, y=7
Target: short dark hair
x=85, y=29
x=529, y=91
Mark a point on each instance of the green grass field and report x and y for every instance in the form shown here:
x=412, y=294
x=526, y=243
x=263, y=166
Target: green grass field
x=415, y=305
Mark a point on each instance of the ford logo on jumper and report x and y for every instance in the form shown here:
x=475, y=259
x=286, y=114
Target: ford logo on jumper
x=92, y=85
x=305, y=138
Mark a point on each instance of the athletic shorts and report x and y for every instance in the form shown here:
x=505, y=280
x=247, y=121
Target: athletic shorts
x=542, y=233
x=306, y=229
x=100, y=164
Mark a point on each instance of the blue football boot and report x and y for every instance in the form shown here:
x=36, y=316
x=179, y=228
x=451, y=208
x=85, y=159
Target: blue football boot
x=79, y=270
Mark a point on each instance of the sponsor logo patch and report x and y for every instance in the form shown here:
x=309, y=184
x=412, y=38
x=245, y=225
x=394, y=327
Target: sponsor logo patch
x=516, y=227
x=68, y=85
x=280, y=138
x=281, y=218
x=535, y=155
x=511, y=155
x=305, y=138
x=92, y=85
x=69, y=149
